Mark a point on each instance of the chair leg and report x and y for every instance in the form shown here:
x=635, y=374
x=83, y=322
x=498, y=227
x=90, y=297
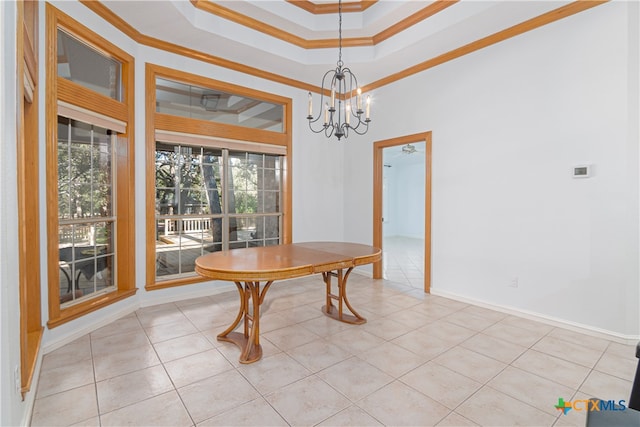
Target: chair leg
x=69, y=284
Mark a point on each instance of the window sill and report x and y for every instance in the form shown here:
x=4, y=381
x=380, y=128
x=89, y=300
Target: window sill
x=175, y=282
x=73, y=312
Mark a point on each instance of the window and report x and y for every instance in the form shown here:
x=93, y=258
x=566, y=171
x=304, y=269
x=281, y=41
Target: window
x=209, y=199
x=85, y=66
x=218, y=171
x=85, y=210
x=90, y=212
x=186, y=100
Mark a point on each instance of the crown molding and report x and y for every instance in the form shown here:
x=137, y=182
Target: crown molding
x=326, y=8
x=523, y=27
x=254, y=24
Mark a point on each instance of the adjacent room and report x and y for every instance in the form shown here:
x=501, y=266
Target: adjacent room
x=320, y=213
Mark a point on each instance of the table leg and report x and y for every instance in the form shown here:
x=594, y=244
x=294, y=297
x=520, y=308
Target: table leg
x=249, y=340
x=329, y=309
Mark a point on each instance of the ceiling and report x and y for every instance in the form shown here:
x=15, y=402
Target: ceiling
x=381, y=39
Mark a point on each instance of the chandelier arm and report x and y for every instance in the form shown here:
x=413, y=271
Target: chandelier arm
x=361, y=132
x=315, y=131
x=322, y=100
x=328, y=131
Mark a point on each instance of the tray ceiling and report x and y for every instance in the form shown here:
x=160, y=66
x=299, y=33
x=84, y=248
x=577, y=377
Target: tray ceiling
x=299, y=41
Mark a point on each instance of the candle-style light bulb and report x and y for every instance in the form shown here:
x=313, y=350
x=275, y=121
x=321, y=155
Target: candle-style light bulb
x=333, y=96
x=310, y=106
x=347, y=113
x=326, y=113
x=359, y=100
x=368, y=107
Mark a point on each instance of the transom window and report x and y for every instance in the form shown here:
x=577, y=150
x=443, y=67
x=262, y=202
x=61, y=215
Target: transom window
x=186, y=100
x=84, y=65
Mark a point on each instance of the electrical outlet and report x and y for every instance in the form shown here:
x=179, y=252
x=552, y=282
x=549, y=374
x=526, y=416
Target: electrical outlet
x=513, y=283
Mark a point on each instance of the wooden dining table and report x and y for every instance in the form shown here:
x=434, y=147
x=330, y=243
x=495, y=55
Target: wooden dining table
x=253, y=270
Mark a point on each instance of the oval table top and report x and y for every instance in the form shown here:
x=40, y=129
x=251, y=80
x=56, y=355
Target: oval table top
x=284, y=261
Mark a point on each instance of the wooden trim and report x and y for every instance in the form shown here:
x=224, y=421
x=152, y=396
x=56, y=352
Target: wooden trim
x=76, y=94
x=164, y=122
x=164, y=284
x=97, y=42
x=105, y=13
x=30, y=57
x=428, y=162
x=326, y=8
x=531, y=24
x=246, y=21
x=79, y=310
x=254, y=24
x=195, y=79
x=378, y=167
x=28, y=191
x=549, y=17
x=121, y=25
x=151, y=71
x=427, y=12
x=287, y=177
x=67, y=91
x=51, y=156
x=204, y=127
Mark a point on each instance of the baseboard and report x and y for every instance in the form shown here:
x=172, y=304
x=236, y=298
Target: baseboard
x=149, y=299
x=30, y=397
x=549, y=320
x=157, y=297
x=89, y=327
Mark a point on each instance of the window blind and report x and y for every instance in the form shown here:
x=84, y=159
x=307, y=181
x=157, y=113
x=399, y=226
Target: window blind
x=87, y=116
x=230, y=144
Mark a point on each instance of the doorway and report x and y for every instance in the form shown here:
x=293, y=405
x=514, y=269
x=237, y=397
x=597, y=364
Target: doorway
x=395, y=230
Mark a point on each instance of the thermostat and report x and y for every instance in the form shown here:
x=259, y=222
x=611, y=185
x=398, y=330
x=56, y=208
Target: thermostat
x=582, y=171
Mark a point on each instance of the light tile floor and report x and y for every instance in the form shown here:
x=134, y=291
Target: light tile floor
x=403, y=260
x=419, y=360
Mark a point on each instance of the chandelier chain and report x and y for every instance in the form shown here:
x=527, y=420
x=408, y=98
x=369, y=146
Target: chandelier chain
x=340, y=63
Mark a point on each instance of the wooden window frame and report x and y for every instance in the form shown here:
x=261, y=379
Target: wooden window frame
x=164, y=122
x=65, y=91
x=31, y=328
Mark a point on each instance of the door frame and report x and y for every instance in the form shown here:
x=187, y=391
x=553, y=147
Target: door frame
x=378, y=167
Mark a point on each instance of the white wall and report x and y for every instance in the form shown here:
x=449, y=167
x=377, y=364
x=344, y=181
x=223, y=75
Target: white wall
x=508, y=123
x=404, y=195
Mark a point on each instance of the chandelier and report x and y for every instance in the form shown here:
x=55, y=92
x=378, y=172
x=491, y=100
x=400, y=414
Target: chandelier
x=342, y=112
